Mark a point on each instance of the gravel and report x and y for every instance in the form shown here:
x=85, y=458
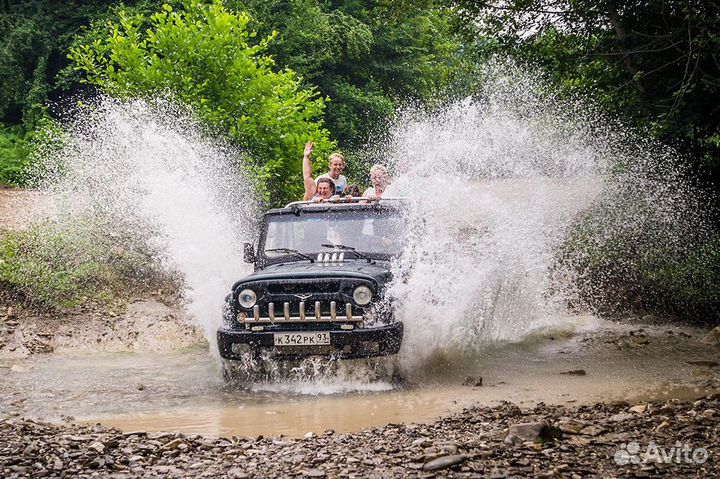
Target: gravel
x=600, y=440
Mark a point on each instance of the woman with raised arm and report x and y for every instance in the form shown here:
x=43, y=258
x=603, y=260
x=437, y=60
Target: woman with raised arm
x=324, y=187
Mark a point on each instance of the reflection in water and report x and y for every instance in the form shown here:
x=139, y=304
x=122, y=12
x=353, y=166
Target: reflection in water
x=182, y=392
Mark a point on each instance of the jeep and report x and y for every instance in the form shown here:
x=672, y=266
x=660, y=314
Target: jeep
x=319, y=285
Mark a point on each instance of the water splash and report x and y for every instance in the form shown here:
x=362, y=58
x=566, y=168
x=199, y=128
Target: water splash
x=499, y=179
x=152, y=170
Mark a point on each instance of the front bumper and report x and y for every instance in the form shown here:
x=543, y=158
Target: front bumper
x=348, y=344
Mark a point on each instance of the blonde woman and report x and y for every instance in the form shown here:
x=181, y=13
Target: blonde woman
x=380, y=179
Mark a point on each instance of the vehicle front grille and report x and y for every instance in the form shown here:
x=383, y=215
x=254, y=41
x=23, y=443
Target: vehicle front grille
x=302, y=311
x=303, y=300
x=325, y=287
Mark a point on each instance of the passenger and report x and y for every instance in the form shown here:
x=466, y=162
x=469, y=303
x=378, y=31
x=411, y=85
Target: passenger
x=380, y=179
x=337, y=164
x=325, y=190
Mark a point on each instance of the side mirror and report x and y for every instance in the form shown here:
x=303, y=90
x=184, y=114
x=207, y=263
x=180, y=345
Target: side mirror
x=249, y=253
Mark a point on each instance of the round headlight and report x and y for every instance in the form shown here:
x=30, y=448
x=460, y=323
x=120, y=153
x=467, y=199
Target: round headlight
x=362, y=295
x=247, y=298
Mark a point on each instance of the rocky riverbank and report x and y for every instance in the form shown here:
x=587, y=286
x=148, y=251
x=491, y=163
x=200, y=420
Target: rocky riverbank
x=146, y=324
x=605, y=440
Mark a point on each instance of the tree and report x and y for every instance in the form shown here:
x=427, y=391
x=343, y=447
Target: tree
x=367, y=56
x=654, y=64
x=206, y=56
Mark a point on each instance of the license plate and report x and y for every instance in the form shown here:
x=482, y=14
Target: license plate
x=301, y=339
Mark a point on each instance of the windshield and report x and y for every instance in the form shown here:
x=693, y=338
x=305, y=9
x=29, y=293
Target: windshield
x=379, y=232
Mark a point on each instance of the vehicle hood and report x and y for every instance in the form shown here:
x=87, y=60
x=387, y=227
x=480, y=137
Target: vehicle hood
x=378, y=271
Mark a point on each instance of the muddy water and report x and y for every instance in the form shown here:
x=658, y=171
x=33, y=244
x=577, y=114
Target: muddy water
x=182, y=391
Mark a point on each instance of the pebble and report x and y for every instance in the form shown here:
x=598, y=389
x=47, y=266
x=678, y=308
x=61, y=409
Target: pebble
x=639, y=409
x=444, y=462
x=315, y=473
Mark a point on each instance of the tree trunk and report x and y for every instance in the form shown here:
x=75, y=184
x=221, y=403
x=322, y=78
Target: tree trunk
x=622, y=37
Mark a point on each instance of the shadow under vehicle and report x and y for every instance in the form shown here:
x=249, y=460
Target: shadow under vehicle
x=318, y=289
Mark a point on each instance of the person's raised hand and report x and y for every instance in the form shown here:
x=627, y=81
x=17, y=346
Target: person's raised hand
x=308, y=148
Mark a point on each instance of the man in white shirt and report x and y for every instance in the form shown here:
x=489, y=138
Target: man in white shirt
x=337, y=165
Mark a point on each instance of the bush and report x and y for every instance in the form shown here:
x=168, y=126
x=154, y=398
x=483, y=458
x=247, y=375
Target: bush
x=617, y=266
x=63, y=266
x=14, y=157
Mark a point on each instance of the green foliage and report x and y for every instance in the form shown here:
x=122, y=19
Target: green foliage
x=207, y=58
x=653, y=64
x=368, y=57
x=14, y=157
x=34, y=38
x=65, y=266
x=617, y=265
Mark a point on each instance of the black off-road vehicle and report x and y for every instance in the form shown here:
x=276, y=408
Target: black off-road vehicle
x=321, y=270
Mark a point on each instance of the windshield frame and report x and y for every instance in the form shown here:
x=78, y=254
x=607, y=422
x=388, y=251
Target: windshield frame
x=307, y=210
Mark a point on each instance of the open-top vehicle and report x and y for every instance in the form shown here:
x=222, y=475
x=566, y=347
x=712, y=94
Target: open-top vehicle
x=321, y=270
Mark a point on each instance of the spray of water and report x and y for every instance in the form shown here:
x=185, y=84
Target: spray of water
x=153, y=171
x=499, y=180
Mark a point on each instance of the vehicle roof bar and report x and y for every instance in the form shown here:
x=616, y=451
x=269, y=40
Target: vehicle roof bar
x=340, y=200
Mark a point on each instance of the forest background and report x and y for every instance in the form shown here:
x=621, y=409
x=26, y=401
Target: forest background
x=270, y=74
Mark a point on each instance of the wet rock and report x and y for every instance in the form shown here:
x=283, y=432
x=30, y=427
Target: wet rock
x=38, y=346
x=473, y=381
x=712, y=338
x=174, y=444
x=444, y=462
x=531, y=431
x=421, y=442
x=97, y=463
x=621, y=417
x=97, y=447
x=237, y=473
x=315, y=473
x=571, y=426
x=638, y=409
x=662, y=426
x=639, y=340
x=593, y=430
x=575, y=372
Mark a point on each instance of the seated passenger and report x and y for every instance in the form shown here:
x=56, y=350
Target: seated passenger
x=312, y=185
x=380, y=179
x=325, y=190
